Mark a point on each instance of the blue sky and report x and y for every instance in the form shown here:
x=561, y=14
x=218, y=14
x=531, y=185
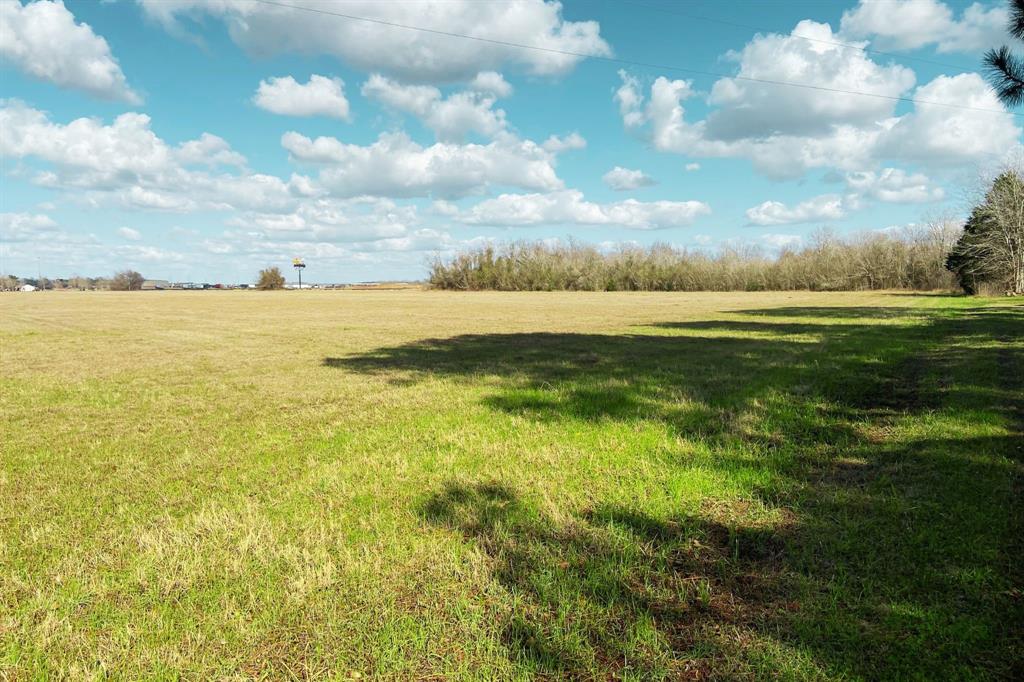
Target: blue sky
x=204, y=140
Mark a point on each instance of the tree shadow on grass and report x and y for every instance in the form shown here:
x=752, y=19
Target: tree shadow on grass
x=871, y=570
x=843, y=312
x=880, y=559
x=615, y=592
x=696, y=387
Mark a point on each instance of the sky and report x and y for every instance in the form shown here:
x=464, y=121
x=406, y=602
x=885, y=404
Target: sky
x=202, y=140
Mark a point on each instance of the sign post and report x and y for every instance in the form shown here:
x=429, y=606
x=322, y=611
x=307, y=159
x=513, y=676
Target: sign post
x=299, y=264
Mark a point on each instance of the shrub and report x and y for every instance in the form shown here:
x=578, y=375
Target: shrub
x=270, y=278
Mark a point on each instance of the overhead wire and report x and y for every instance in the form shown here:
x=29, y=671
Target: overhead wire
x=634, y=63
x=820, y=41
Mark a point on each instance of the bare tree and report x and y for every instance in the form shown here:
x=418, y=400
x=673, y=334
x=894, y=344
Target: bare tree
x=127, y=280
x=270, y=278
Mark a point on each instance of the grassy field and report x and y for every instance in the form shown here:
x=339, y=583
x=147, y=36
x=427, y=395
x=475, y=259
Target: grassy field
x=416, y=484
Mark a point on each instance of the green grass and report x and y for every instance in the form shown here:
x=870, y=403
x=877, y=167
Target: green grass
x=417, y=484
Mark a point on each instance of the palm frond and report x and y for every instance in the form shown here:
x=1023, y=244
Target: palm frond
x=1005, y=72
x=1016, y=25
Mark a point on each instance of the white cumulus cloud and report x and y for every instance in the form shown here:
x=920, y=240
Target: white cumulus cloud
x=894, y=185
x=785, y=131
x=411, y=55
x=777, y=242
x=913, y=24
x=753, y=109
x=18, y=227
x=451, y=118
x=570, y=142
x=397, y=166
x=321, y=96
x=492, y=83
x=128, y=163
x=43, y=40
x=946, y=136
x=570, y=207
x=621, y=179
x=129, y=233
x=823, y=208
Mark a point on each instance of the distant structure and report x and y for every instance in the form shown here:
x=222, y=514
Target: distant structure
x=26, y=287
x=155, y=284
x=299, y=265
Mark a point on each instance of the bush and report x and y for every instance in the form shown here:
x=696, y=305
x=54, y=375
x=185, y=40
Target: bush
x=270, y=278
x=912, y=259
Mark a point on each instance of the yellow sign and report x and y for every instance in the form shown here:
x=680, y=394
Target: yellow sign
x=297, y=263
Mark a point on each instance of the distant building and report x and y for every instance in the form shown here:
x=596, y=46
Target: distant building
x=26, y=287
x=155, y=284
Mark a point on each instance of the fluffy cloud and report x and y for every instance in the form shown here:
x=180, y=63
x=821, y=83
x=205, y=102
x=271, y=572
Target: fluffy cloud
x=893, y=185
x=88, y=152
x=778, y=156
x=18, y=227
x=93, y=154
x=125, y=164
x=752, y=109
x=333, y=220
x=570, y=142
x=621, y=179
x=43, y=40
x=125, y=161
x=208, y=150
x=785, y=131
x=396, y=166
x=890, y=185
x=408, y=54
x=568, y=207
x=321, y=96
x=823, y=208
x=492, y=83
x=777, y=242
x=941, y=135
x=148, y=254
x=452, y=117
x=262, y=248
x=913, y=24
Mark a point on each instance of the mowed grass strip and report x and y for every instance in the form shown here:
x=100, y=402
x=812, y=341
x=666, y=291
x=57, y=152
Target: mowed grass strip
x=415, y=484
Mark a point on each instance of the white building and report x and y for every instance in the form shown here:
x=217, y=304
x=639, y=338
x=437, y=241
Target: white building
x=26, y=287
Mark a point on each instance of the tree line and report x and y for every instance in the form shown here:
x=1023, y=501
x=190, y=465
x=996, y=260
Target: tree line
x=126, y=280
x=985, y=255
x=911, y=260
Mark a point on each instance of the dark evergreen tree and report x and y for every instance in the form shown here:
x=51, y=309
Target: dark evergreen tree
x=991, y=248
x=1004, y=69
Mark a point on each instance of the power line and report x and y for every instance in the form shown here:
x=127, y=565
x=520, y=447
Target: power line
x=821, y=41
x=630, y=62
